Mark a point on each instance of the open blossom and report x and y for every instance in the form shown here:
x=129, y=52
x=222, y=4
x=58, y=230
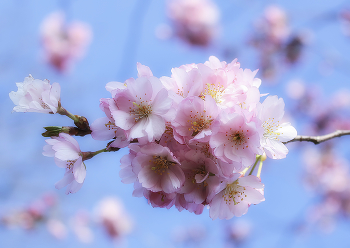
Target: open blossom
x=65, y=149
x=140, y=109
x=271, y=113
x=236, y=140
x=105, y=129
x=157, y=169
x=193, y=119
x=35, y=95
x=200, y=176
x=235, y=196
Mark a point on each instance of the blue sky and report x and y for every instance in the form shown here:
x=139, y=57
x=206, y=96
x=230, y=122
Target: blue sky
x=123, y=34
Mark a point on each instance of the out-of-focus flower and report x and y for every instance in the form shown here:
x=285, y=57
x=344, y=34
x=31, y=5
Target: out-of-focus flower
x=111, y=214
x=296, y=89
x=81, y=227
x=66, y=151
x=187, y=235
x=194, y=21
x=35, y=95
x=63, y=43
x=56, y=228
x=239, y=231
x=32, y=215
x=274, y=41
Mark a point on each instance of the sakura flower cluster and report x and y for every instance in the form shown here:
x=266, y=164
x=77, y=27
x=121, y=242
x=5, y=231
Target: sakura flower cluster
x=194, y=136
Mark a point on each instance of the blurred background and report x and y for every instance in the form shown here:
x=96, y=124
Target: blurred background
x=302, y=51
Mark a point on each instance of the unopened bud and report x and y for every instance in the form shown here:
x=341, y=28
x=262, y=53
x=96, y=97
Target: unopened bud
x=54, y=131
x=82, y=123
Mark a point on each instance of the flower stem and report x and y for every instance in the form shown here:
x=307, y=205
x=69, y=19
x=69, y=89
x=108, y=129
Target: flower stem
x=256, y=161
x=89, y=155
x=259, y=169
x=63, y=111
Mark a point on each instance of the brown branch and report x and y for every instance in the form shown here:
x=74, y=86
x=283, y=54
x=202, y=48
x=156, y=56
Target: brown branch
x=318, y=139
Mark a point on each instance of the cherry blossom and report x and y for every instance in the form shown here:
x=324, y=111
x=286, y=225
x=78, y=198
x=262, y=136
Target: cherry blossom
x=104, y=129
x=66, y=151
x=110, y=213
x=194, y=21
x=271, y=114
x=140, y=109
x=157, y=169
x=192, y=137
x=235, y=196
x=236, y=140
x=193, y=119
x=64, y=42
x=201, y=179
x=35, y=95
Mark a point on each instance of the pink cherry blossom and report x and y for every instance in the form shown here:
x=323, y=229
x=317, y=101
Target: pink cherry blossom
x=64, y=42
x=140, y=109
x=201, y=177
x=271, y=114
x=104, y=129
x=111, y=214
x=235, y=196
x=36, y=95
x=236, y=140
x=65, y=149
x=181, y=203
x=195, y=21
x=157, y=169
x=193, y=119
x=158, y=199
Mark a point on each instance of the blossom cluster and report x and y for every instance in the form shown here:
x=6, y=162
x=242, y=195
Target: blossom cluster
x=194, y=136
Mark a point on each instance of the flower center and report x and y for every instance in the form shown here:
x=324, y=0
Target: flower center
x=270, y=127
x=199, y=122
x=161, y=164
x=111, y=126
x=141, y=111
x=237, y=138
x=215, y=91
x=234, y=193
x=70, y=164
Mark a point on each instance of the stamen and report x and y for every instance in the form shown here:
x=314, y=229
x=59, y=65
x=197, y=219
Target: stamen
x=161, y=164
x=234, y=193
x=141, y=111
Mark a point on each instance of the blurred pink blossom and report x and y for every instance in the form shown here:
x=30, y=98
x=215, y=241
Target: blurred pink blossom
x=110, y=213
x=194, y=21
x=81, y=226
x=63, y=43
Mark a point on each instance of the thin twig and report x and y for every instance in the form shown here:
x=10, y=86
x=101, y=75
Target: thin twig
x=318, y=139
